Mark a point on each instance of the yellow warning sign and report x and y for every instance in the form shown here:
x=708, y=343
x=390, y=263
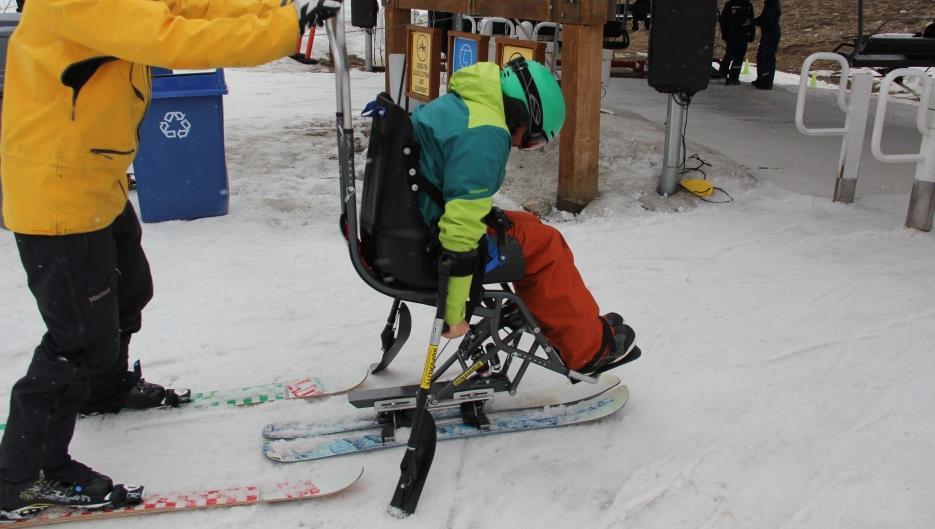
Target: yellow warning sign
x=509, y=49
x=423, y=62
x=512, y=52
x=421, y=65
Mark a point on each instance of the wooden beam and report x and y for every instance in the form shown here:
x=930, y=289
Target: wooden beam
x=528, y=9
x=569, y=11
x=396, y=21
x=451, y=6
x=580, y=138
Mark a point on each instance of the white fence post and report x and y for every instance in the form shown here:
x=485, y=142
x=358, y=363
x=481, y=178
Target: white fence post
x=856, y=113
x=922, y=199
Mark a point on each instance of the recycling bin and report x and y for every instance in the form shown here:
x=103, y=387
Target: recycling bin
x=8, y=22
x=180, y=169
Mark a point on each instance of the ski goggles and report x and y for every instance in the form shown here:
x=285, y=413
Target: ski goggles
x=535, y=137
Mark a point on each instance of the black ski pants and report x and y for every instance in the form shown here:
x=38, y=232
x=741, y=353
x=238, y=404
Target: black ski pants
x=732, y=64
x=90, y=289
x=766, y=56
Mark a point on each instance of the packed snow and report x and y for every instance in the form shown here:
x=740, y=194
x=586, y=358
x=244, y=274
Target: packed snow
x=786, y=380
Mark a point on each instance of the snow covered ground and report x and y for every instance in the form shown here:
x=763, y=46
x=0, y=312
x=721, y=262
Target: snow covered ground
x=786, y=380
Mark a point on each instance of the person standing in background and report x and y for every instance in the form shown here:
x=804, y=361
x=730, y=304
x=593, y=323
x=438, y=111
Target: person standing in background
x=737, y=30
x=641, y=10
x=768, y=22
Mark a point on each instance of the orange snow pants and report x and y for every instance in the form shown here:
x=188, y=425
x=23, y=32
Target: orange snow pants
x=554, y=291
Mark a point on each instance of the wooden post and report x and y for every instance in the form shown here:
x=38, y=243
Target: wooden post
x=396, y=21
x=580, y=138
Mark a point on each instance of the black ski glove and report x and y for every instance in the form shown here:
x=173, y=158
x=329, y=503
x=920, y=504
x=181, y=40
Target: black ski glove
x=315, y=12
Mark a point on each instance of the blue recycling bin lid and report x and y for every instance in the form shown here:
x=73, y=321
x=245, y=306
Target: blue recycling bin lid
x=9, y=19
x=189, y=85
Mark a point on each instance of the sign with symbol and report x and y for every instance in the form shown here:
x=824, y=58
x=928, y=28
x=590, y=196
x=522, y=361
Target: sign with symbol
x=465, y=49
x=509, y=49
x=423, y=60
x=175, y=125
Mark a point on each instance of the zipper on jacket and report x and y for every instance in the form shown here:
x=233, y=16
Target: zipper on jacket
x=149, y=84
x=76, y=75
x=107, y=152
x=136, y=91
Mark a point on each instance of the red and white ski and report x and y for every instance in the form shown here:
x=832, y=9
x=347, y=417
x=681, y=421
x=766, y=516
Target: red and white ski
x=187, y=501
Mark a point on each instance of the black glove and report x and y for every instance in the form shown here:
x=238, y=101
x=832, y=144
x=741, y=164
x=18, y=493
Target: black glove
x=315, y=11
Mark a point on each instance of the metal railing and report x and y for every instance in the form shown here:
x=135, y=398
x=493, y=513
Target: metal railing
x=856, y=111
x=854, y=102
x=922, y=199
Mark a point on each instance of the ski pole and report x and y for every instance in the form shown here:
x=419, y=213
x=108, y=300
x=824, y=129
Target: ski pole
x=308, y=47
x=420, y=450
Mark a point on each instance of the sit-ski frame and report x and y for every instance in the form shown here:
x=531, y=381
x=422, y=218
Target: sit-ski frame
x=468, y=387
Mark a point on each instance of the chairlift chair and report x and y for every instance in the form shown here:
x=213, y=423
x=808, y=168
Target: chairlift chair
x=888, y=50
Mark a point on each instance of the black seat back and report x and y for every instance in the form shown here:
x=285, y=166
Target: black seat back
x=396, y=241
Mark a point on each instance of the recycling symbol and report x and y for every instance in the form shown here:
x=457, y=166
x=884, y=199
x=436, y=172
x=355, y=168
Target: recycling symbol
x=175, y=125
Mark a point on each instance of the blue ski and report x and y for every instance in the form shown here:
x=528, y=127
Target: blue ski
x=506, y=421
x=561, y=396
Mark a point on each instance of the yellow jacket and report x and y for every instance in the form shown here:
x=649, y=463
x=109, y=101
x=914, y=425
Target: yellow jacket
x=77, y=87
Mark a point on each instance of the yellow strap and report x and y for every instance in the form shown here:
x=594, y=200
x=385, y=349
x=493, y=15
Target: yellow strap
x=698, y=186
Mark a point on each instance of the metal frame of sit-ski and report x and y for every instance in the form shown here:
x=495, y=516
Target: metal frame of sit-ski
x=489, y=336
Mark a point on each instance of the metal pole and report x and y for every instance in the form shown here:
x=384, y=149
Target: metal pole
x=675, y=124
x=852, y=148
x=922, y=200
x=860, y=27
x=368, y=50
x=342, y=73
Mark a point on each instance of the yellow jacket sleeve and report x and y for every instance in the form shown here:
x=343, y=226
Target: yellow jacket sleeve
x=147, y=32
x=209, y=9
x=461, y=226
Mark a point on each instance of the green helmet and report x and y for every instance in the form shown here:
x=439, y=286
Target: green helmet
x=533, y=84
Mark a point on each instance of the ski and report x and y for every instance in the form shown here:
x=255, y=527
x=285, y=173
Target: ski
x=204, y=499
x=562, y=396
x=302, y=388
x=501, y=422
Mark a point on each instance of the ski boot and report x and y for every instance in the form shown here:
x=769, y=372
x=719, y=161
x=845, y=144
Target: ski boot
x=617, y=347
x=144, y=394
x=71, y=485
x=139, y=395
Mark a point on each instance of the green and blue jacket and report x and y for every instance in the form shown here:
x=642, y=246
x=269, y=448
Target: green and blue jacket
x=465, y=144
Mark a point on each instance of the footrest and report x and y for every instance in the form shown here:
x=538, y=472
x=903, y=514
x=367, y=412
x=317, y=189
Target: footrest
x=631, y=356
x=404, y=397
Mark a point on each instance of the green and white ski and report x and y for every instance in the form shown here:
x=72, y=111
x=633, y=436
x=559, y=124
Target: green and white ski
x=301, y=388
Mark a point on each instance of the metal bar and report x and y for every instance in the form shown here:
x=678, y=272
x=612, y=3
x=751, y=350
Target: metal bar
x=922, y=200
x=803, y=91
x=860, y=27
x=675, y=122
x=852, y=148
x=368, y=50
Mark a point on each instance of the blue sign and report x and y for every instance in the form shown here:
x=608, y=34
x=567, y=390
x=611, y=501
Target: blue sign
x=465, y=53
